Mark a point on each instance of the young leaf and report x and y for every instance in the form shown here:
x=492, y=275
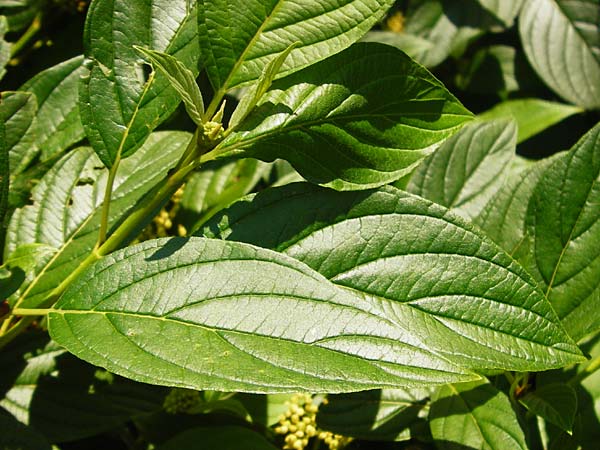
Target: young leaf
x=63, y=398
x=469, y=168
x=562, y=41
x=532, y=115
x=239, y=37
x=458, y=291
x=222, y=437
x=474, y=415
x=380, y=415
x=564, y=225
x=251, y=98
x=362, y=118
x=181, y=78
x=250, y=319
x=556, y=403
x=17, y=113
x=119, y=108
x=65, y=213
x=57, y=125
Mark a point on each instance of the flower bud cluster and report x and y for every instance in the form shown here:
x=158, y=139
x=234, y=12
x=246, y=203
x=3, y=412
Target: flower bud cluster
x=299, y=425
x=181, y=400
x=162, y=224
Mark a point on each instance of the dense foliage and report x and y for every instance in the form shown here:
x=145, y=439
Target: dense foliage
x=330, y=224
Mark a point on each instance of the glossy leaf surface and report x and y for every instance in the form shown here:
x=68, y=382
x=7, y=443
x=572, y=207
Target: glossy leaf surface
x=118, y=108
x=458, y=291
x=468, y=169
x=562, y=41
x=564, y=222
x=362, y=118
x=238, y=37
x=254, y=320
x=532, y=115
x=63, y=398
x=57, y=125
x=65, y=213
x=474, y=415
x=556, y=403
x=17, y=112
x=380, y=415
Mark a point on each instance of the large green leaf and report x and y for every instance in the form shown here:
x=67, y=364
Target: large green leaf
x=555, y=402
x=362, y=118
x=532, y=115
x=564, y=223
x=4, y=175
x=504, y=217
x=505, y=10
x=239, y=37
x=474, y=415
x=211, y=314
x=459, y=292
x=65, y=213
x=17, y=112
x=562, y=41
x=221, y=437
x=57, y=125
x=469, y=168
x=4, y=46
x=63, y=398
x=380, y=415
x=118, y=108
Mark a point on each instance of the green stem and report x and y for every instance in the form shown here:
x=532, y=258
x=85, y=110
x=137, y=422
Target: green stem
x=30, y=311
x=588, y=370
x=112, y=173
x=26, y=37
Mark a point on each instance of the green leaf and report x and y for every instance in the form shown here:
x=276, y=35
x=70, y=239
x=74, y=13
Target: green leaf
x=65, y=213
x=469, y=168
x=254, y=94
x=232, y=303
x=20, y=13
x=221, y=437
x=215, y=186
x=505, y=10
x=562, y=41
x=17, y=112
x=4, y=46
x=556, y=403
x=181, y=78
x=474, y=415
x=57, y=125
x=532, y=115
x=63, y=398
x=265, y=409
x=119, y=108
x=381, y=415
x=24, y=263
x=362, y=118
x=4, y=174
x=459, y=292
x=239, y=38
x=504, y=217
x=413, y=46
x=564, y=224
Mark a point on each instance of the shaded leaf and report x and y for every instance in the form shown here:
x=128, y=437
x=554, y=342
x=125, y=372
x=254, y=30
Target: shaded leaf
x=562, y=41
x=221, y=437
x=63, y=398
x=231, y=302
x=15, y=435
x=564, y=225
x=362, y=118
x=381, y=415
x=24, y=263
x=4, y=46
x=474, y=415
x=17, y=112
x=181, y=78
x=118, y=107
x=504, y=10
x=469, y=168
x=532, y=115
x=239, y=38
x=458, y=291
x=556, y=403
x=65, y=213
